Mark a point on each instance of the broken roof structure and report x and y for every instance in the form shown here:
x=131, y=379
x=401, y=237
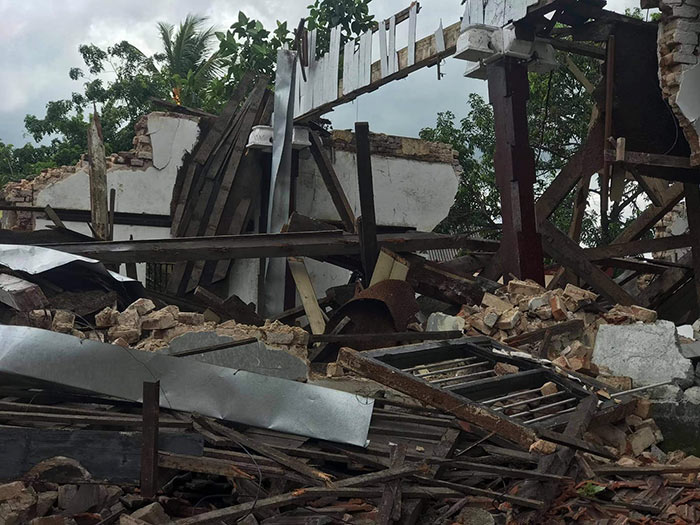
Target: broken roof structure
x=299, y=356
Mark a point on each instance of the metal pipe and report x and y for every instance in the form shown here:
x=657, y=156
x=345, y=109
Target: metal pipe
x=510, y=396
x=447, y=370
x=460, y=385
x=532, y=400
x=543, y=407
x=448, y=379
x=549, y=416
x=457, y=378
x=448, y=362
x=640, y=389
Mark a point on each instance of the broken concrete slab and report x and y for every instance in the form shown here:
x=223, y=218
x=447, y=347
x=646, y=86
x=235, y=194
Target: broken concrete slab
x=648, y=353
x=153, y=514
x=21, y=295
x=252, y=357
x=690, y=350
x=439, y=322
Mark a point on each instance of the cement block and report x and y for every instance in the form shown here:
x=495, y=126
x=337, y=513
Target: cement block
x=648, y=353
x=690, y=350
x=439, y=322
x=692, y=395
x=253, y=357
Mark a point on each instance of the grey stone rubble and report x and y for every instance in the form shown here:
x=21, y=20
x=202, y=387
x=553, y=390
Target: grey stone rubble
x=648, y=353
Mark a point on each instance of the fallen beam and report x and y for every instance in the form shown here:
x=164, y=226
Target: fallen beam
x=301, y=244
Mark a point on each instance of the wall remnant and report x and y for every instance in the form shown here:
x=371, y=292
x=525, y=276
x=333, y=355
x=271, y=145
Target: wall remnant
x=679, y=65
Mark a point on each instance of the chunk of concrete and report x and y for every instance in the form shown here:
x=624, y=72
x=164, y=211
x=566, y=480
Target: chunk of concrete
x=153, y=514
x=690, y=350
x=686, y=331
x=252, y=357
x=648, y=353
x=439, y=322
x=692, y=395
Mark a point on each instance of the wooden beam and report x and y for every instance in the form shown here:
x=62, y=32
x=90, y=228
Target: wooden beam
x=665, y=284
x=306, y=291
x=427, y=55
x=692, y=206
x=303, y=244
x=660, y=244
x=514, y=165
x=369, y=250
x=651, y=215
x=637, y=158
x=568, y=253
x=315, y=476
x=149, y=444
x=445, y=400
x=98, y=178
x=330, y=179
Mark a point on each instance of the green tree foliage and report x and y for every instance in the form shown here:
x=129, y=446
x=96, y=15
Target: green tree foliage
x=559, y=114
x=198, y=67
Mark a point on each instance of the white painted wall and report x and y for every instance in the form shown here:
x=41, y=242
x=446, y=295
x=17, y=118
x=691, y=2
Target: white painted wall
x=147, y=190
x=407, y=193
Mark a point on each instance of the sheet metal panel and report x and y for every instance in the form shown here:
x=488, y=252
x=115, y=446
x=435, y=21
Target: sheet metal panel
x=191, y=386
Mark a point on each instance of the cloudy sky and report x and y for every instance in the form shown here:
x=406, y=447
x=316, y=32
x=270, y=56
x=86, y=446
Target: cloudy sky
x=39, y=42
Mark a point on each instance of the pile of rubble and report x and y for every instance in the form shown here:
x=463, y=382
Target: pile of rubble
x=140, y=325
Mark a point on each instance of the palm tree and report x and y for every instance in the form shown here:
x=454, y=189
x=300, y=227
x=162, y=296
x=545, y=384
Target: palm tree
x=189, y=59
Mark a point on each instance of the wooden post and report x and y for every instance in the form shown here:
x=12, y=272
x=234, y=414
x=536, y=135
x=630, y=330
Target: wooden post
x=692, y=206
x=149, y=448
x=509, y=91
x=98, y=178
x=609, y=99
x=330, y=179
x=367, y=223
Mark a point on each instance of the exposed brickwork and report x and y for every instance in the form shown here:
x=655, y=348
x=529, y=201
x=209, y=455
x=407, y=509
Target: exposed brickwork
x=22, y=192
x=404, y=147
x=679, y=50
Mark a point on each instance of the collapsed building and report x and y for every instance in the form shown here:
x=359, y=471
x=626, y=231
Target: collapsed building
x=248, y=317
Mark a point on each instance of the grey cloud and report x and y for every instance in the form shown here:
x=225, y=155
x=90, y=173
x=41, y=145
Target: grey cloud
x=39, y=42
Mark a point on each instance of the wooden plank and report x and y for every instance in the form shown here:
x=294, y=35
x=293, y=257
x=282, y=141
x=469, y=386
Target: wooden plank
x=330, y=179
x=351, y=489
x=692, y=206
x=21, y=295
x=650, y=216
x=558, y=463
x=108, y=455
x=98, y=178
x=305, y=287
x=570, y=254
x=433, y=396
x=389, y=266
x=413, y=510
x=637, y=158
x=203, y=465
x=426, y=55
x=115, y=420
x=665, y=284
x=231, y=308
x=367, y=229
x=252, y=246
x=149, y=443
x=627, y=249
x=585, y=162
x=390, y=505
x=315, y=476
x=51, y=214
x=388, y=338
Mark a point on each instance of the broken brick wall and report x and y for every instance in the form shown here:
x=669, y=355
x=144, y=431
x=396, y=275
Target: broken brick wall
x=66, y=186
x=679, y=64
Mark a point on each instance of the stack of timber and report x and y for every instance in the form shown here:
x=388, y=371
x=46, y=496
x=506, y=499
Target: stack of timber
x=218, y=184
